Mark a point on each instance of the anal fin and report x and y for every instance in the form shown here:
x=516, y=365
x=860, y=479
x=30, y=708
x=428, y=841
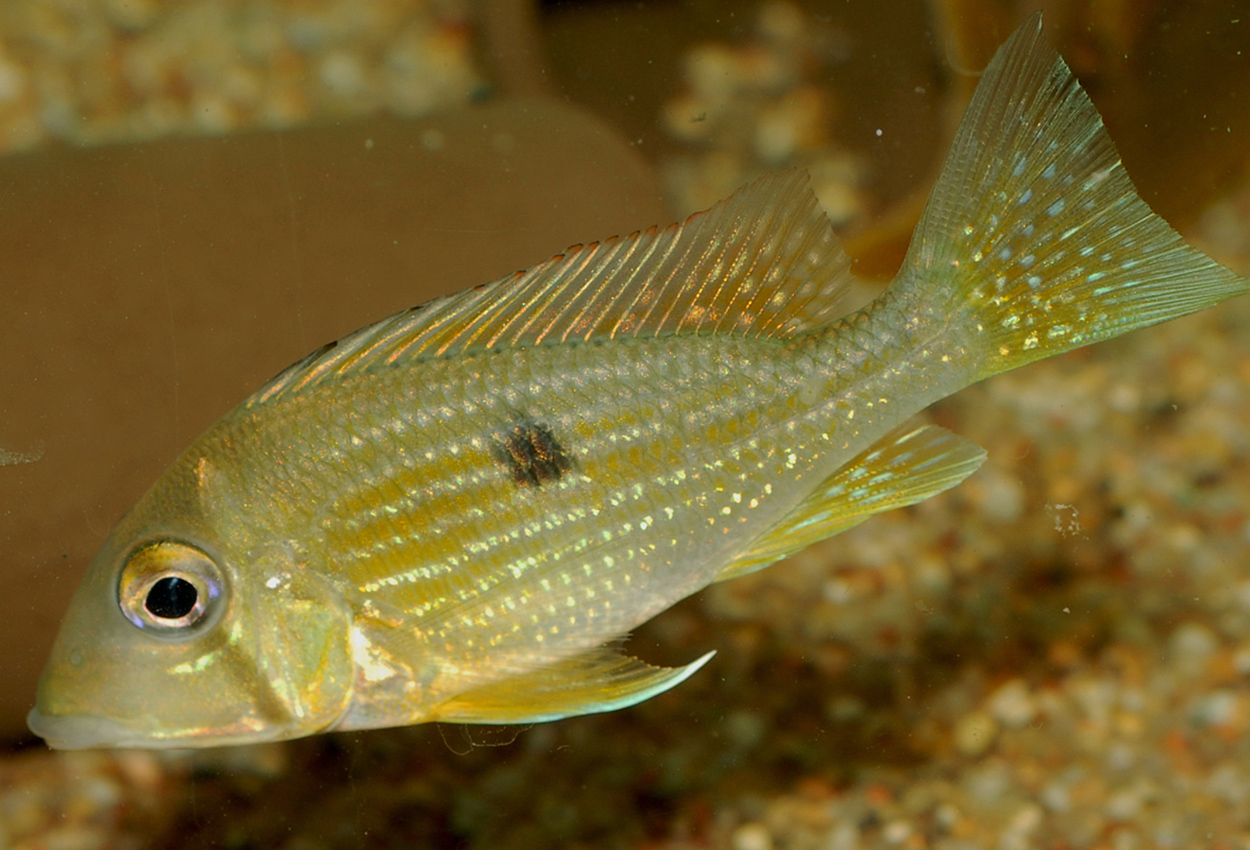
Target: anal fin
x=601, y=680
x=906, y=466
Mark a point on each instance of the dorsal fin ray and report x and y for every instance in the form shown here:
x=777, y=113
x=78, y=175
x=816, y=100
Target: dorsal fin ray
x=764, y=263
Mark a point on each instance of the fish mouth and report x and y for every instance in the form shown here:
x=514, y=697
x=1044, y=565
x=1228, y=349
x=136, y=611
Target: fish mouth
x=86, y=731
x=80, y=731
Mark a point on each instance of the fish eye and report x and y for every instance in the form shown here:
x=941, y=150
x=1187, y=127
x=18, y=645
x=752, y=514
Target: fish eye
x=171, y=589
x=172, y=598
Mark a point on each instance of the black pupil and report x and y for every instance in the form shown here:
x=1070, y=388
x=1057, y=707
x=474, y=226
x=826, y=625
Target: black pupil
x=171, y=598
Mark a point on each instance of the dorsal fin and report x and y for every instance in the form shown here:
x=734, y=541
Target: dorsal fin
x=765, y=262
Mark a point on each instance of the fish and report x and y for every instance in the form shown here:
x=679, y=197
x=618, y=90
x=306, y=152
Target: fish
x=458, y=513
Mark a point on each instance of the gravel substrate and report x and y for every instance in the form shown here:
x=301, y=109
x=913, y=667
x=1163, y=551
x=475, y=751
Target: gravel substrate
x=759, y=104
x=92, y=71
x=1055, y=654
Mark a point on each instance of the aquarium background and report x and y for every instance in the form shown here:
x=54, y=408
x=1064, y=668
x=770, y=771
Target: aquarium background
x=1054, y=654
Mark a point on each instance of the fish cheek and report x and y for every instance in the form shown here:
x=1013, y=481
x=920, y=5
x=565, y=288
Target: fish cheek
x=205, y=692
x=300, y=634
x=222, y=685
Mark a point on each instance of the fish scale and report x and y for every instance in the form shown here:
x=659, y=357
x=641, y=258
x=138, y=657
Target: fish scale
x=705, y=429
x=459, y=512
x=424, y=546
x=607, y=453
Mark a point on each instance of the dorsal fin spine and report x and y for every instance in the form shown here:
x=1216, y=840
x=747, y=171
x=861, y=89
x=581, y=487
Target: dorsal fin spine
x=614, y=245
x=660, y=263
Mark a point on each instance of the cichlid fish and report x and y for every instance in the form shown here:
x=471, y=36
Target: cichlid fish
x=458, y=512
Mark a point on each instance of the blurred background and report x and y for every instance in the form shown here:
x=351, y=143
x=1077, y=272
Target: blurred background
x=195, y=194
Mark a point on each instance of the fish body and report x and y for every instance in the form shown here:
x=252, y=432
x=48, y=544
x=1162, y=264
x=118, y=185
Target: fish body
x=458, y=512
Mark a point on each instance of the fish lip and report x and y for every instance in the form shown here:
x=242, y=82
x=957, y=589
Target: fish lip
x=75, y=732
x=87, y=731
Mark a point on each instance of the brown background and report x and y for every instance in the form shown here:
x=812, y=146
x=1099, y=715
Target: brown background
x=148, y=289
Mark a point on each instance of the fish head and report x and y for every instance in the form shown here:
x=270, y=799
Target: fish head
x=183, y=636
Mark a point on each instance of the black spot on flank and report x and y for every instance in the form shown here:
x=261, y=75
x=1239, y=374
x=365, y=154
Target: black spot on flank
x=533, y=455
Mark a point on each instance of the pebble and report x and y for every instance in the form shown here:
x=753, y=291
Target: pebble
x=1023, y=824
x=1191, y=645
x=897, y=831
x=999, y=494
x=1012, y=704
x=975, y=733
x=844, y=836
x=1217, y=708
x=752, y=836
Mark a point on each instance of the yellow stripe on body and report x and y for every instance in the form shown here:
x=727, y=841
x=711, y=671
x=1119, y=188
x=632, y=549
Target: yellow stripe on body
x=669, y=472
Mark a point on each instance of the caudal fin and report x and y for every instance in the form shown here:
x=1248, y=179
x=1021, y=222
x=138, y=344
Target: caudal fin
x=1034, y=240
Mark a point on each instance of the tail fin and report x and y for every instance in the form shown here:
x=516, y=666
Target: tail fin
x=1034, y=240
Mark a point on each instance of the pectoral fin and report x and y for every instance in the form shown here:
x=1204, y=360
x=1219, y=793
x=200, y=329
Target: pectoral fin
x=906, y=466
x=598, y=681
